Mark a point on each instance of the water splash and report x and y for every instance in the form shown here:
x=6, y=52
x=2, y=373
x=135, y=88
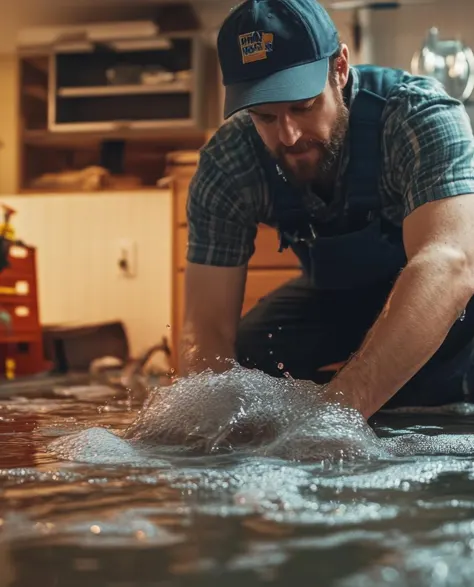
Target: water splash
x=247, y=412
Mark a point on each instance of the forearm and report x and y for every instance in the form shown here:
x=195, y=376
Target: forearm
x=428, y=297
x=203, y=347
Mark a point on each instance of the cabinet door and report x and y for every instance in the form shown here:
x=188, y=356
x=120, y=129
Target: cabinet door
x=266, y=254
x=260, y=282
x=266, y=251
x=180, y=193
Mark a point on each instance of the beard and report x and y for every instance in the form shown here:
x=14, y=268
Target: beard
x=322, y=171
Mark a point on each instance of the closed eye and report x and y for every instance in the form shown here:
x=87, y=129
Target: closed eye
x=299, y=107
x=305, y=107
x=266, y=118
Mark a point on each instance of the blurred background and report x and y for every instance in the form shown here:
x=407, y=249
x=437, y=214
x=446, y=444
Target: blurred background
x=103, y=108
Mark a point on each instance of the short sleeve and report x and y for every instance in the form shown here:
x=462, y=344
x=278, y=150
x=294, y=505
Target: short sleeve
x=222, y=224
x=430, y=145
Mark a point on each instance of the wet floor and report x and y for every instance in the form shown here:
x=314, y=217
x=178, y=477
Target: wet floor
x=154, y=518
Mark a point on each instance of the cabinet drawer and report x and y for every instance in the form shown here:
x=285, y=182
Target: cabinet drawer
x=178, y=306
x=22, y=261
x=181, y=181
x=17, y=286
x=261, y=282
x=23, y=316
x=266, y=250
x=181, y=244
x=180, y=193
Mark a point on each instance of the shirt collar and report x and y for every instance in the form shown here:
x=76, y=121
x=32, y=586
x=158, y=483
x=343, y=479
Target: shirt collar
x=352, y=87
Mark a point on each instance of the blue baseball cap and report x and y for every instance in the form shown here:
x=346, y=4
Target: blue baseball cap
x=275, y=51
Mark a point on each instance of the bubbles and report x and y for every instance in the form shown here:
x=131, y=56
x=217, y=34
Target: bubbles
x=247, y=412
x=98, y=445
x=410, y=444
x=240, y=411
x=281, y=366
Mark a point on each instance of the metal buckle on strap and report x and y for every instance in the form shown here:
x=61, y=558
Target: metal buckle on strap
x=280, y=172
x=296, y=237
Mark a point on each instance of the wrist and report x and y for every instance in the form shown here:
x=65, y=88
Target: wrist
x=336, y=393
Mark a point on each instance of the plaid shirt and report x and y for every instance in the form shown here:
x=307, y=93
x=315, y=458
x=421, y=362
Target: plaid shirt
x=428, y=154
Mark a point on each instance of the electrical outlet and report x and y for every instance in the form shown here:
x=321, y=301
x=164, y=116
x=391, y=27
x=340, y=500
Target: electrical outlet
x=126, y=257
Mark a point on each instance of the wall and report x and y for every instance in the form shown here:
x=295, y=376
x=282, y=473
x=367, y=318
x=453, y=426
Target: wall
x=397, y=34
x=8, y=124
x=76, y=237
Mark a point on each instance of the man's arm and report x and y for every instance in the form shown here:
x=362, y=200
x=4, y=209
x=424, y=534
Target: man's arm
x=213, y=304
x=430, y=294
x=222, y=225
x=430, y=147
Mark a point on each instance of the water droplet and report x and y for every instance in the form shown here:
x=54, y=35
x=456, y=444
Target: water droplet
x=172, y=370
x=168, y=326
x=280, y=328
x=280, y=366
x=270, y=335
x=270, y=352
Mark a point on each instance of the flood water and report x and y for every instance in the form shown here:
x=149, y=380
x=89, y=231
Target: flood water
x=106, y=509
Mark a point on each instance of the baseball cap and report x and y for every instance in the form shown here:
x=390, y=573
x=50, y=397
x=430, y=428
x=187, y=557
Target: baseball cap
x=275, y=51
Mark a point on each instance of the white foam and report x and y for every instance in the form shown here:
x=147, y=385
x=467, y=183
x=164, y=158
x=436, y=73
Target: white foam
x=244, y=411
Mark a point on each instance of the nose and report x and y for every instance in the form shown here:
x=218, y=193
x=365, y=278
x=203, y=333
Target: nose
x=288, y=130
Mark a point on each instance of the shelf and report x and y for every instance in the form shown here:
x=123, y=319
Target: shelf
x=69, y=111
x=80, y=139
x=175, y=87
x=106, y=191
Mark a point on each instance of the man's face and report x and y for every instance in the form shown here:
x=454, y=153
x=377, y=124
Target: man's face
x=306, y=137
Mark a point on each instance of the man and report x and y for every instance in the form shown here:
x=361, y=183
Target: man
x=368, y=175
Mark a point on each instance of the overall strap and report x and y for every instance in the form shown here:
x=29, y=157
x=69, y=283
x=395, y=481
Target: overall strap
x=365, y=136
x=362, y=175
x=363, y=170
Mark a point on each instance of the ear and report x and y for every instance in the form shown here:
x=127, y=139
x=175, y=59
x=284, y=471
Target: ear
x=342, y=66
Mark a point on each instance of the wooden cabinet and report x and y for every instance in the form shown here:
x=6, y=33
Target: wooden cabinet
x=21, y=342
x=268, y=269
x=102, y=116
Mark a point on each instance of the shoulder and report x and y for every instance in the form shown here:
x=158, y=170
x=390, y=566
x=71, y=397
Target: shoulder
x=418, y=105
x=428, y=142
x=232, y=152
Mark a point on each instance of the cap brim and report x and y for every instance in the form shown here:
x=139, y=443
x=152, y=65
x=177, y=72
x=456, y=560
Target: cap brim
x=289, y=85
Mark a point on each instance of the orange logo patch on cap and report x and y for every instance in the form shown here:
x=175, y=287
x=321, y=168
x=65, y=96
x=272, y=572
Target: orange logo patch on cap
x=255, y=46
